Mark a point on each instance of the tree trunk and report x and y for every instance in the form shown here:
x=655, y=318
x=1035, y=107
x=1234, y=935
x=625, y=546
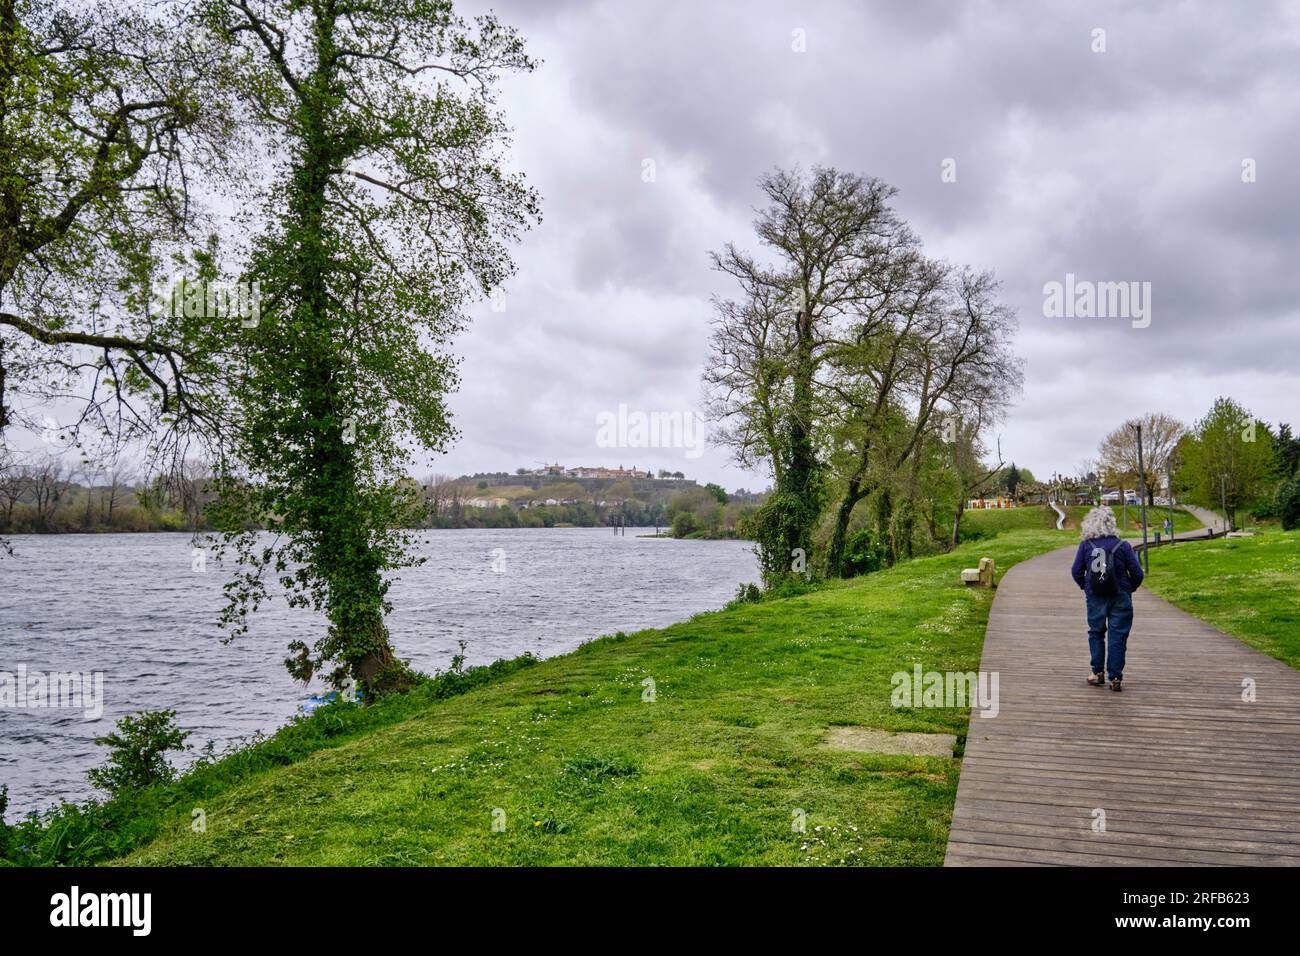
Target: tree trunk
x=801, y=486
x=956, y=522
x=885, y=512
x=839, y=538
x=932, y=523
x=854, y=493
x=345, y=556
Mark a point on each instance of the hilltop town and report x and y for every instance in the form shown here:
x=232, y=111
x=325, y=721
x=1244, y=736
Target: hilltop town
x=558, y=470
x=556, y=495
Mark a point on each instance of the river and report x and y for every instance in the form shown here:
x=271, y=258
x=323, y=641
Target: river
x=132, y=607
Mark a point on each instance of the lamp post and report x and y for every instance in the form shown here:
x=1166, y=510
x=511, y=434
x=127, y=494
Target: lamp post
x=1223, y=499
x=1142, y=489
x=1169, y=490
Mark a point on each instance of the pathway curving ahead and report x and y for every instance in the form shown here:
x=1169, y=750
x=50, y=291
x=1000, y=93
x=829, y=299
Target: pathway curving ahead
x=1184, y=771
x=1210, y=519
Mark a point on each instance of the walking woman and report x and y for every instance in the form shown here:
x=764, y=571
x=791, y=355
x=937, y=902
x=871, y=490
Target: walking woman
x=1108, y=571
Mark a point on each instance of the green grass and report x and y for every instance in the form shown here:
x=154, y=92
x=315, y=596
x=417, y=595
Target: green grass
x=1040, y=517
x=1247, y=587
x=587, y=772
x=1183, y=520
x=996, y=520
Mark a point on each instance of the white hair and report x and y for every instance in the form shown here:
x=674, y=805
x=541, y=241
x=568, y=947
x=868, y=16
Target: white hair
x=1099, y=523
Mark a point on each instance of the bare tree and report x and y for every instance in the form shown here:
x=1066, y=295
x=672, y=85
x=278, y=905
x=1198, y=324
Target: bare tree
x=1118, y=452
x=121, y=473
x=835, y=244
x=91, y=472
x=48, y=482
x=189, y=489
x=14, y=482
x=437, y=492
x=941, y=355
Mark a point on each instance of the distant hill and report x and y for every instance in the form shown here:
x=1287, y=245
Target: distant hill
x=527, y=487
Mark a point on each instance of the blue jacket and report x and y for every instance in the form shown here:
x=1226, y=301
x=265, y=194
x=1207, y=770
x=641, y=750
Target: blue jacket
x=1128, y=570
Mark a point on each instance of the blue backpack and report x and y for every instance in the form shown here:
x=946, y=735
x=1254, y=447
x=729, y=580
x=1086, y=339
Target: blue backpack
x=1101, y=571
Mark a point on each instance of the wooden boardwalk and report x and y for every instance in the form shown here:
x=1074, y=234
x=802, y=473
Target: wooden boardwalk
x=1184, y=770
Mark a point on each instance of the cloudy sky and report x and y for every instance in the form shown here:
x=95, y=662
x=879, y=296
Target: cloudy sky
x=1123, y=165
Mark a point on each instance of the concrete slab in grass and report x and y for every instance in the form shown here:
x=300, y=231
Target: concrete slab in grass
x=870, y=740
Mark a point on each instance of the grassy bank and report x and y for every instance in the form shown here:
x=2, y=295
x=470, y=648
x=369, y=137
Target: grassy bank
x=588, y=772
x=1183, y=520
x=1247, y=587
x=1041, y=517
x=991, y=521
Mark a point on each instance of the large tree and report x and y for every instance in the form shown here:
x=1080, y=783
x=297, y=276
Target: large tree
x=841, y=355
x=1288, y=452
x=830, y=240
x=388, y=211
x=1227, y=458
x=107, y=115
x=938, y=353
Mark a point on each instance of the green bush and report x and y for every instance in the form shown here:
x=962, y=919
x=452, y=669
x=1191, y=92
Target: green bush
x=776, y=527
x=5, y=838
x=1286, y=503
x=1264, y=508
x=865, y=552
x=793, y=587
x=746, y=594
x=685, y=523
x=136, y=749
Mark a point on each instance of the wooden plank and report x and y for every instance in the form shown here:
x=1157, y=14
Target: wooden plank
x=1187, y=772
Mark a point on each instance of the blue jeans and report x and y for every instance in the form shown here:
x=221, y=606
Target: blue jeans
x=1109, y=621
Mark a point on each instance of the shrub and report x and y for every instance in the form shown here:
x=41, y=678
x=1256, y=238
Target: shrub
x=865, y=552
x=4, y=828
x=1264, y=508
x=746, y=594
x=1287, y=502
x=777, y=527
x=136, y=749
x=685, y=523
x=793, y=587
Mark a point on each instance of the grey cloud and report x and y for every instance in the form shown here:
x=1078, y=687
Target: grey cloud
x=1116, y=166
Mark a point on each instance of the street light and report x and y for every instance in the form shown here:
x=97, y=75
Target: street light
x=1223, y=499
x=1142, y=484
x=1169, y=490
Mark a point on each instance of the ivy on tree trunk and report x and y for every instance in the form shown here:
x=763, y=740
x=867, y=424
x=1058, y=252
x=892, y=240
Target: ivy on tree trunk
x=388, y=212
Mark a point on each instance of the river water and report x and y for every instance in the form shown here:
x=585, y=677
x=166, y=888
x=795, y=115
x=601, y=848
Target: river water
x=133, y=607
